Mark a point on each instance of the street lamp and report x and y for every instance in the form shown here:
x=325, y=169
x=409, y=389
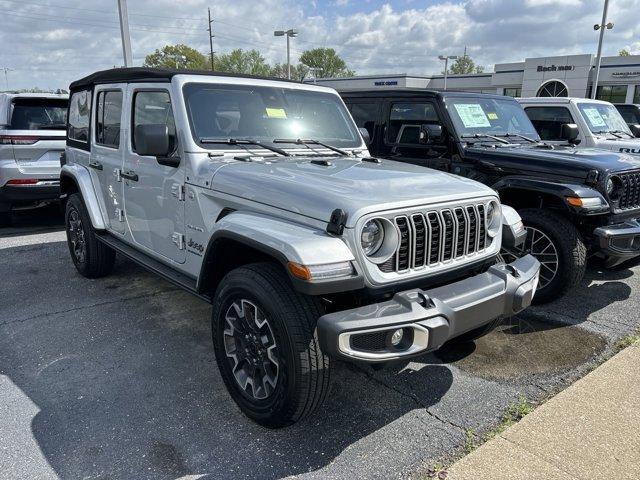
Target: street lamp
x=288, y=33
x=446, y=59
x=602, y=27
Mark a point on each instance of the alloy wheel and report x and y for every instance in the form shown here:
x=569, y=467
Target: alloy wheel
x=251, y=349
x=76, y=236
x=540, y=246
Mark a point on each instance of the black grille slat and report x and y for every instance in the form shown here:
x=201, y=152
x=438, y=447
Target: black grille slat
x=436, y=231
x=473, y=229
x=404, y=250
x=482, y=231
x=449, y=232
x=630, y=196
x=420, y=231
x=462, y=229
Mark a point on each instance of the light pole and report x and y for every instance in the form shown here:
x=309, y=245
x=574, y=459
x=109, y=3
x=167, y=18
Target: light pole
x=288, y=33
x=602, y=27
x=124, y=33
x=446, y=59
x=6, y=75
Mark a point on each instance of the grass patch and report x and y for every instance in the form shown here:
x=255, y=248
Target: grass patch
x=627, y=341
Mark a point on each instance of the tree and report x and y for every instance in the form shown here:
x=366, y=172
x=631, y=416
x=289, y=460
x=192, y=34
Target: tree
x=298, y=72
x=465, y=65
x=327, y=62
x=177, y=56
x=624, y=53
x=248, y=62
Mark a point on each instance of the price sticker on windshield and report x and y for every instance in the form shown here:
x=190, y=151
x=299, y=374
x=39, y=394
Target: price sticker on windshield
x=276, y=113
x=594, y=117
x=472, y=115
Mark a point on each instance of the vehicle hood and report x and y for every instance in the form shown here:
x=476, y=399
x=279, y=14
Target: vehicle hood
x=623, y=145
x=563, y=161
x=355, y=186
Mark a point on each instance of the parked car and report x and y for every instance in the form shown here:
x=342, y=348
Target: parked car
x=630, y=113
x=260, y=196
x=32, y=137
x=598, y=124
x=574, y=202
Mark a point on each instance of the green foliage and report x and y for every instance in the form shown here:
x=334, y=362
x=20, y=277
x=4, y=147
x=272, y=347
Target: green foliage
x=624, y=53
x=327, y=61
x=177, y=56
x=248, y=62
x=298, y=72
x=465, y=65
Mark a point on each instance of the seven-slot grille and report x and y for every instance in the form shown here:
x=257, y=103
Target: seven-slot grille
x=438, y=236
x=630, y=197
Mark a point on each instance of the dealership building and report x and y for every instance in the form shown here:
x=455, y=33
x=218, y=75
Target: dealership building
x=564, y=76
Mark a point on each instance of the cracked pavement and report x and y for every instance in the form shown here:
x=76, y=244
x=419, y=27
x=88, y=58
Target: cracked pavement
x=116, y=378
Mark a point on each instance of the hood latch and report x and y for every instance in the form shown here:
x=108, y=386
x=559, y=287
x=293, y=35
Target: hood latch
x=337, y=222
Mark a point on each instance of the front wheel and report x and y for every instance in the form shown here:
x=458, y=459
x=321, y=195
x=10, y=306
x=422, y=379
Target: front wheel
x=559, y=248
x=266, y=345
x=91, y=258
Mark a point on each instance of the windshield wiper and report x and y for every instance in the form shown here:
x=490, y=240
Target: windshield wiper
x=484, y=135
x=244, y=141
x=615, y=133
x=528, y=139
x=301, y=141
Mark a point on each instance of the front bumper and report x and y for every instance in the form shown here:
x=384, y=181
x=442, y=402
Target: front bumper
x=429, y=318
x=619, y=242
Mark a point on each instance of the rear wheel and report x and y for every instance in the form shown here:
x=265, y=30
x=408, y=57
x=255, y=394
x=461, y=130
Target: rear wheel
x=91, y=258
x=266, y=345
x=559, y=248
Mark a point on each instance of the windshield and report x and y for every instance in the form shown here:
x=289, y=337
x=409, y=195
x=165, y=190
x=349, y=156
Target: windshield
x=39, y=114
x=489, y=116
x=264, y=114
x=603, y=118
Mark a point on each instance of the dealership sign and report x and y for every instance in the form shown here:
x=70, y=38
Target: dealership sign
x=554, y=68
x=625, y=74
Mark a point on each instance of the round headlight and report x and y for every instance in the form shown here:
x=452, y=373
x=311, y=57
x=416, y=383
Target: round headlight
x=494, y=218
x=372, y=237
x=614, y=187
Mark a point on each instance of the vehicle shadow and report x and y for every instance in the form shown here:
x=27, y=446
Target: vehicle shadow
x=127, y=387
x=41, y=219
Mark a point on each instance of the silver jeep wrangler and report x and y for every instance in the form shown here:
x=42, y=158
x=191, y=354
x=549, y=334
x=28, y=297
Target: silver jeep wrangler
x=260, y=197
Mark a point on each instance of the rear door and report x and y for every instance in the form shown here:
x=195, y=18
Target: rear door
x=106, y=158
x=154, y=193
x=37, y=128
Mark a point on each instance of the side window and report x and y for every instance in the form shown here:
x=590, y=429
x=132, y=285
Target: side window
x=405, y=120
x=108, y=114
x=79, y=114
x=629, y=113
x=153, y=108
x=549, y=120
x=365, y=115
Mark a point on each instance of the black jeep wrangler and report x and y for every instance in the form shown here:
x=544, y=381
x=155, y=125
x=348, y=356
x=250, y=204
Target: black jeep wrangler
x=574, y=202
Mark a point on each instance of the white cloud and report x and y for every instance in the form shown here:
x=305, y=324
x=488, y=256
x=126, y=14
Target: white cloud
x=49, y=47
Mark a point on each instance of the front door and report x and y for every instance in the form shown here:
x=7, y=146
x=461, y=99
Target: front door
x=400, y=137
x=107, y=152
x=153, y=193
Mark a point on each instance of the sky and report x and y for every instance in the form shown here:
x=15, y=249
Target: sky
x=49, y=43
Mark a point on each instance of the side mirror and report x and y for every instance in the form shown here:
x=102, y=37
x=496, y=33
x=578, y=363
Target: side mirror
x=430, y=133
x=153, y=140
x=365, y=136
x=570, y=132
x=635, y=129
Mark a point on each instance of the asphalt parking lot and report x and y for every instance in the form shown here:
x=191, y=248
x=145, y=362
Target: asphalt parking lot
x=115, y=378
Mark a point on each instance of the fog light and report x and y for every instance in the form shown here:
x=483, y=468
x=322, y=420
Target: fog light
x=396, y=337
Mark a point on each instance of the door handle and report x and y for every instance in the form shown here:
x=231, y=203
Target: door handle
x=95, y=165
x=130, y=175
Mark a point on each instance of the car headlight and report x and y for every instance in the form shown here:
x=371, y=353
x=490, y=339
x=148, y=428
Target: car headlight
x=614, y=187
x=371, y=237
x=379, y=239
x=494, y=218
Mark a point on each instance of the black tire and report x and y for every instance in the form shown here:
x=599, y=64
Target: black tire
x=92, y=259
x=476, y=333
x=303, y=371
x=570, y=248
x=5, y=219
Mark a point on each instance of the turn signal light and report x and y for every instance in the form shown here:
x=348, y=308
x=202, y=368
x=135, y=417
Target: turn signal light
x=299, y=271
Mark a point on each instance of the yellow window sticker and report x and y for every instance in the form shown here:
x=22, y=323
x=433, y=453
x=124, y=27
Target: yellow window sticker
x=492, y=116
x=276, y=113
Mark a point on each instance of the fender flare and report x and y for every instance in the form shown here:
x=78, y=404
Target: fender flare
x=556, y=189
x=285, y=242
x=82, y=179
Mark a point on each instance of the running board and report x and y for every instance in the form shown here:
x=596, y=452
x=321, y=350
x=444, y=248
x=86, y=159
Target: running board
x=180, y=279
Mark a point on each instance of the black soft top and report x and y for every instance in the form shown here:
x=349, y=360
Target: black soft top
x=145, y=74
x=411, y=92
